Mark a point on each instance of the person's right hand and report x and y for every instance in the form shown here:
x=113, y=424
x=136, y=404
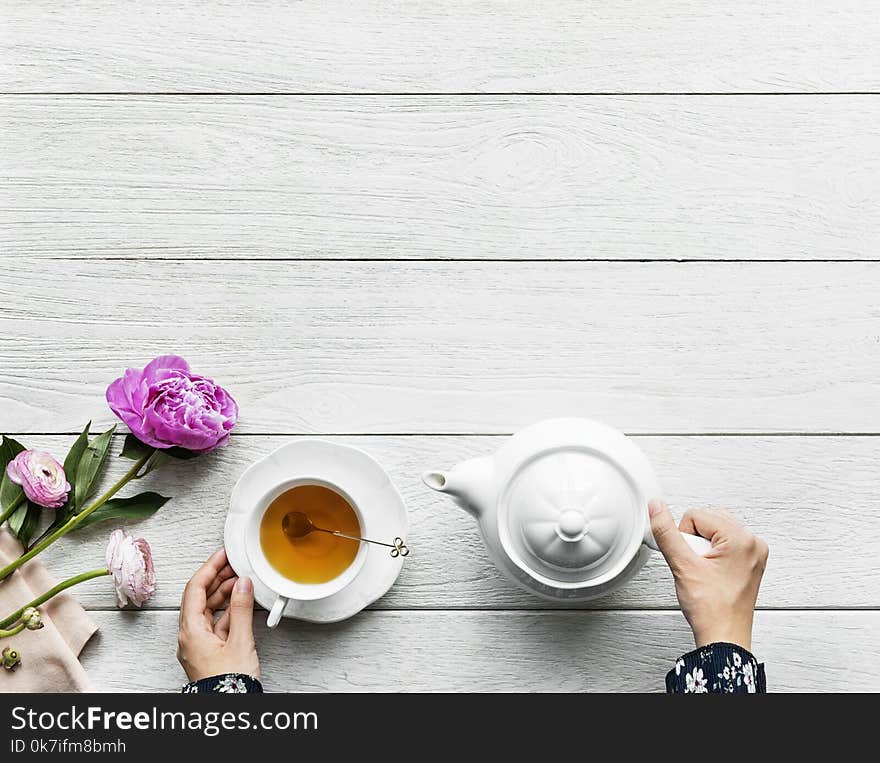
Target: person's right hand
x=207, y=648
x=717, y=593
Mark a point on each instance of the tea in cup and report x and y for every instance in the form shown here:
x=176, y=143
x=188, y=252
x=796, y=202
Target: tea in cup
x=317, y=557
x=314, y=566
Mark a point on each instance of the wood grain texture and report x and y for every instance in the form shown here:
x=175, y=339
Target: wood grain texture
x=495, y=651
x=454, y=347
x=449, y=46
x=470, y=288
x=441, y=178
x=809, y=497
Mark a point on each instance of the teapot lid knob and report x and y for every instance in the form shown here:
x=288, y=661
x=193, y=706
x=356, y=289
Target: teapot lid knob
x=572, y=525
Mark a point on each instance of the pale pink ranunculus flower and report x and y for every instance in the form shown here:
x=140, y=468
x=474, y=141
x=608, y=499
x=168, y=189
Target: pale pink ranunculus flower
x=41, y=477
x=130, y=563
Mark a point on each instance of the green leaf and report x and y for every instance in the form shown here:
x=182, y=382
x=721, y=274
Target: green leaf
x=30, y=524
x=158, y=458
x=17, y=519
x=89, y=466
x=10, y=493
x=182, y=453
x=133, y=448
x=9, y=449
x=24, y=522
x=137, y=506
x=71, y=464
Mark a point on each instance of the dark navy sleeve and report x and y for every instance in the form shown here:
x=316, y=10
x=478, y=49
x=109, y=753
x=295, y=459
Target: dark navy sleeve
x=719, y=668
x=227, y=683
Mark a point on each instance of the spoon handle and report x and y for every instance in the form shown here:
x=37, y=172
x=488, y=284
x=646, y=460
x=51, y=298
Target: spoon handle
x=398, y=548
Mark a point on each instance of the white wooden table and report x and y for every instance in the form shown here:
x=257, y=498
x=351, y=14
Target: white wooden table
x=417, y=227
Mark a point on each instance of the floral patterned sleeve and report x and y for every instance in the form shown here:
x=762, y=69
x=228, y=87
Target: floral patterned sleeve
x=228, y=683
x=719, y=668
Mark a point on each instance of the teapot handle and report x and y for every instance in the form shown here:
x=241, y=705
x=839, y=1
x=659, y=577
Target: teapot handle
x=700, y=545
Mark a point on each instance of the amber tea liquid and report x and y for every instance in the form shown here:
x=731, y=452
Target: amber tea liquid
x=317, y=557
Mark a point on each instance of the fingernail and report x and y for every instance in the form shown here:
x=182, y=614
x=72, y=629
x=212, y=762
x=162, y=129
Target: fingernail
x=244, y=585
x=655, y=506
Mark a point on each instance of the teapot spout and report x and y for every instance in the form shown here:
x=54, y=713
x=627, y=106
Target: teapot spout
x=469, y=484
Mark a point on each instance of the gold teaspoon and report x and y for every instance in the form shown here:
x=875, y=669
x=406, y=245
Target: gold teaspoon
x=296, y=524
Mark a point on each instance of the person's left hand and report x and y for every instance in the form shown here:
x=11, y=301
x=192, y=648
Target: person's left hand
x=207, y=648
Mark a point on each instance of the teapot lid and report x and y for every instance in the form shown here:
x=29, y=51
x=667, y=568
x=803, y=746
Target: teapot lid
x=571, y=514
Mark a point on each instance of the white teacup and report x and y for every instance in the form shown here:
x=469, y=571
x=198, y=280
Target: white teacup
x=367, y=488
x=284, y=588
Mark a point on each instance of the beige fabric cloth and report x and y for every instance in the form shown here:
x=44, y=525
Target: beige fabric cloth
x=49, y=655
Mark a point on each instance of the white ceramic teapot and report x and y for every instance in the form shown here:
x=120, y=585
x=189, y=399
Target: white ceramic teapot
x=562, y=506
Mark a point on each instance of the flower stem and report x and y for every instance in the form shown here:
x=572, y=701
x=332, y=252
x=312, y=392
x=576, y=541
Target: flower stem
x=53, y=592
x=8, y=513
x=71, y=523
x=12, y=631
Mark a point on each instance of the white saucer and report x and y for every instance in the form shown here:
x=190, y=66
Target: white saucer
x=370, y=488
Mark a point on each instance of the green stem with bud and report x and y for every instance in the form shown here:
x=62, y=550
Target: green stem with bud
x=54, y=591
x=71, y=523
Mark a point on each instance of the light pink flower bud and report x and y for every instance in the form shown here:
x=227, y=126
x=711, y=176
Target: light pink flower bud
x=32, y=619
x=10, y=658
x=41, y=477
x=130, y=563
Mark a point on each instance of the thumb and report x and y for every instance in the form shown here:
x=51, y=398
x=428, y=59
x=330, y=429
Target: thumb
x=673, y=547
x=241, y=612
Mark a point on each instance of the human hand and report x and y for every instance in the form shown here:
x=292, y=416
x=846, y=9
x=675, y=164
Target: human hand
x=208, y=648
x=717, y=592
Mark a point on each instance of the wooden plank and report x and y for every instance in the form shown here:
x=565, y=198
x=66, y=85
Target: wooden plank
x=441, y=178
x=455, y=347
x=809, y=497
x=495, y=651
x=449, y=46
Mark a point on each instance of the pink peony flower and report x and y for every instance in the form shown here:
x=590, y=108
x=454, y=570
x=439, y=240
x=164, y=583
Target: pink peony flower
x=41, y=477
x=130, y=563
x=166, y=406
